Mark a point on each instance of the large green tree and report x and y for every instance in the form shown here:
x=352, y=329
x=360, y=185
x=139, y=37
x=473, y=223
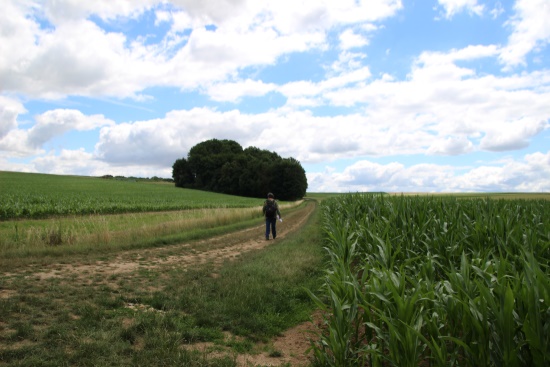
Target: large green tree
x=182, y=174
x=223, y=166
x=206, y=160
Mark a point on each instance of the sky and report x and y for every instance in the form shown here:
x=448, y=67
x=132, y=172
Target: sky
x=369, y=95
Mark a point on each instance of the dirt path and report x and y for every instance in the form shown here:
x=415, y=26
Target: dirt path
x=217, y=249
x=293, y=343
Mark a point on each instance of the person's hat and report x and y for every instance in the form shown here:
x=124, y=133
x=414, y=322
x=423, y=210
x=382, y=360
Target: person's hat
x=270, y=195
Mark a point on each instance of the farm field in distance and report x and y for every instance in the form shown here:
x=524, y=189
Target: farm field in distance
x=34, y=196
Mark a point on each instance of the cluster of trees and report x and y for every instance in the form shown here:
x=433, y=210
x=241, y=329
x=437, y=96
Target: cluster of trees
x=224, y=166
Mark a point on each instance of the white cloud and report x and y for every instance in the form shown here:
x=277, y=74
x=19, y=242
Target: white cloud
x=506, y=136
x=10, y=109
x=25, y=142
x=447, y=107
x=148, y=148
x=160, y=142
x=452, y=145
x=60, y=11
x=326, y=88
x=15, y=142
x=74, y=56
x=530, y=29
x=531, y=174
x=233, y=92
x=291, y=133
x=444, y=106
x=67, y=162
x=350, y=39
x=347, y=61
x=441, y=109
x=453, y=7
x=57, y=122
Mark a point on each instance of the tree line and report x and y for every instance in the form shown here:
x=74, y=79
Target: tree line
x=224, y=166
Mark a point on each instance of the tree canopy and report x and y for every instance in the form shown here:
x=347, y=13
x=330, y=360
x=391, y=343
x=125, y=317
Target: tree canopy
x=224, y=166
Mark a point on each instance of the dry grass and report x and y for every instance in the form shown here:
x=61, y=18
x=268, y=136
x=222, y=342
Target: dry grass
x=23, y=238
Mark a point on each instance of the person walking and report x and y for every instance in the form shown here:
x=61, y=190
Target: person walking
x=272, y=213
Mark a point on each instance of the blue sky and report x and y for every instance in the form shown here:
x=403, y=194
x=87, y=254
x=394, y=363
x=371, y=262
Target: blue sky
x=372, y=95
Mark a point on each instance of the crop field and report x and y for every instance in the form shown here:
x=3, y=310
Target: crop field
x=435, y=280
x=116, y=272
x=28, y=195
x=53, y=215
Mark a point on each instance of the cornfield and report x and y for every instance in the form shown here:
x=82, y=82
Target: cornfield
x=435, y=281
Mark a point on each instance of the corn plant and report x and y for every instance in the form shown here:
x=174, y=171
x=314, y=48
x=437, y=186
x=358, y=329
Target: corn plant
x=441, y=280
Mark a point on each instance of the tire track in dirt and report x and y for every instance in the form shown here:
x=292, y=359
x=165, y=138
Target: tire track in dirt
x=216, y=249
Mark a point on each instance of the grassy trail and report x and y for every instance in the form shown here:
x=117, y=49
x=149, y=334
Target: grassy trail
x=219, y=301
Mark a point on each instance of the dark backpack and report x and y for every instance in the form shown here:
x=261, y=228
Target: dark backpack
x=270, y=209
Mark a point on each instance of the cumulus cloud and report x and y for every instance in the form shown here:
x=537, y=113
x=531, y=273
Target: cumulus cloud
x=57, y=122
x=445, y=106
x=530, y=29
x=350, y=39
x=54, y=49
x=233, y=92
x=60, y=11
x=448, y=108
x=51, y=124
x=10, y=109
x=452, y=145
x=514, y=136
x=452, y=7
x=160, y=142
x=299, y=134
x=530, y=174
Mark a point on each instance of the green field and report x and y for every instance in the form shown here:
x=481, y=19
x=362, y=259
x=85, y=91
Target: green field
x=30, y=195
x=448, y=280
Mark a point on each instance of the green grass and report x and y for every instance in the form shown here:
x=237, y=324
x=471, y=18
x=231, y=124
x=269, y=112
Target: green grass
x=30, y=195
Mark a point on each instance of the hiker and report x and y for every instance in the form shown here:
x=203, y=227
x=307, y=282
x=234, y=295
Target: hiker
x=271, y=213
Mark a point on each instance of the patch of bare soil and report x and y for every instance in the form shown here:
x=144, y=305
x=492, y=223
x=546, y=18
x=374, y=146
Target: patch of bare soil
x=291, y=347
x=288, y=349
x=292, y=344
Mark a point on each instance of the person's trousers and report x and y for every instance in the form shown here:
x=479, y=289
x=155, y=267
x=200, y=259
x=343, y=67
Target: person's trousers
x=270, y=224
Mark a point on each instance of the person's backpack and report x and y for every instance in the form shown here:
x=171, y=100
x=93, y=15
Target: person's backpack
x=270, y=209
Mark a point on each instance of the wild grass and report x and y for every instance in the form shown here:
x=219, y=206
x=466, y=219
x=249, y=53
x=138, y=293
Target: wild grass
x=100, y=232
x=57, y=237
x=439, y=281
x=154, y=317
